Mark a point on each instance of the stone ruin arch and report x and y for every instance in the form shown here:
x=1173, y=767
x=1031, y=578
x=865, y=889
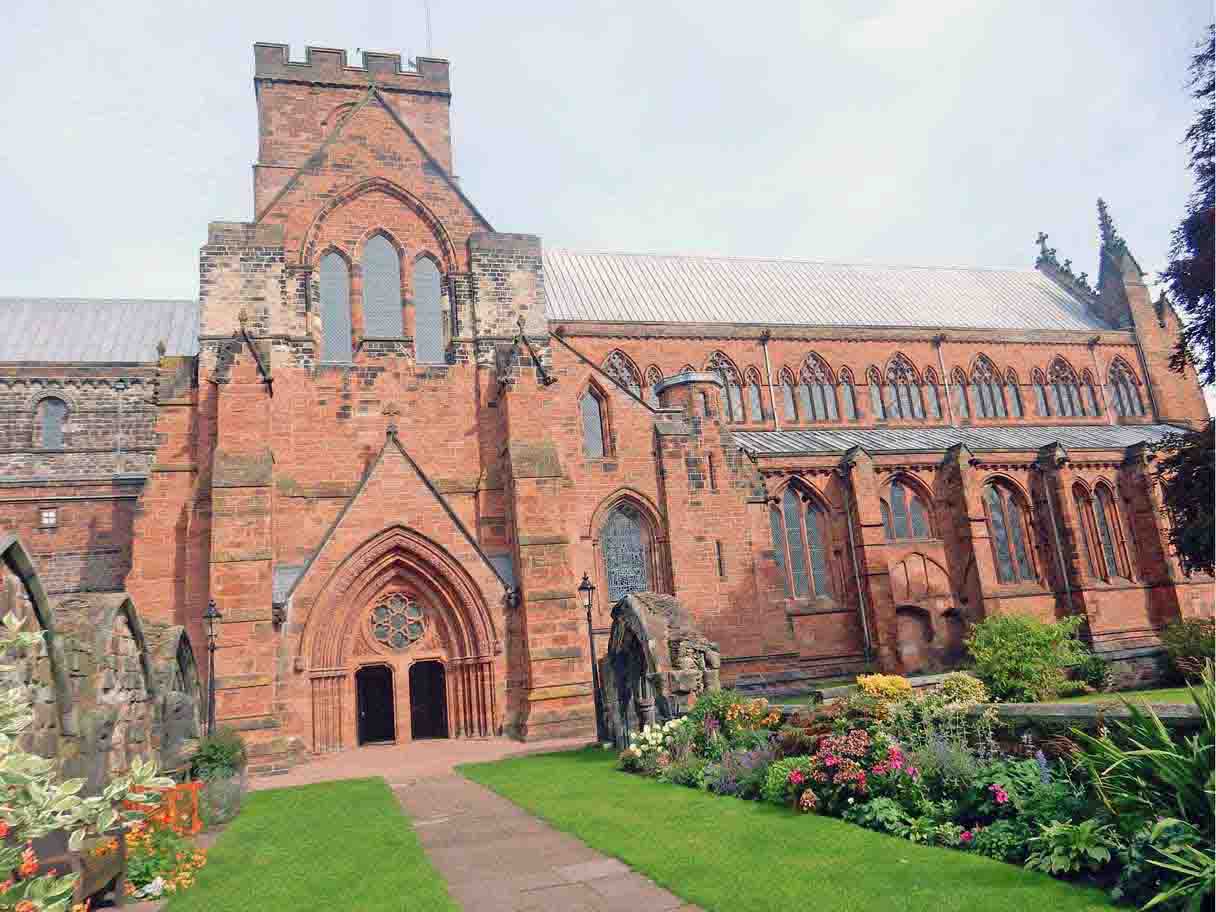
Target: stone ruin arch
x=176, y=680
x=657, y=664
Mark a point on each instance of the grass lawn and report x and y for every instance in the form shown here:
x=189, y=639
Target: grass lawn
x=337, y=845
x=1153, y=695
x=727, y=854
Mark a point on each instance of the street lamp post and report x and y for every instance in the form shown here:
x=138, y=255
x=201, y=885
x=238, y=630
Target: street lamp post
x=587, y=589
x=211, y=617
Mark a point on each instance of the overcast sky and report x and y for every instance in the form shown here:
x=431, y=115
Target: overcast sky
x=922, y=132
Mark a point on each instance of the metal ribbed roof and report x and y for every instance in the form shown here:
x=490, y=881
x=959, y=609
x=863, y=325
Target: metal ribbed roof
x=940, y=439
x=648, y=288
x=95, y=330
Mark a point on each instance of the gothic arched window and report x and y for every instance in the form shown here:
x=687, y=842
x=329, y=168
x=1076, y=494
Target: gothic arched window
x=334, y=288
x=381, y=290
x=989, y=391
x=821, y=388
x=755, y=399
x=726, y=370
x=1125, y=390
x=961, y=399
x=52, y=413
x=1090, y=404
x=429, y=344
x=876, y=406
x=654, y=377
x=592, y=408
x=932, y=403
x=626, y=550
x=1040, y=394
x=903, y=397
x=1065, y=390
x=618, y=366
x=787, y=395
x=848, y=394
x=903, y=513
x=1015, y=395
x=800, y=544
x=1009, y=528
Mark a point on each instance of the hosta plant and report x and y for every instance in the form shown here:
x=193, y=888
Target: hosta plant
x=35, y=802
x=1071, y=848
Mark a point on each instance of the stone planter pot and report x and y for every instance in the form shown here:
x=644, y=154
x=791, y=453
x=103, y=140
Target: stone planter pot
x=220, y=798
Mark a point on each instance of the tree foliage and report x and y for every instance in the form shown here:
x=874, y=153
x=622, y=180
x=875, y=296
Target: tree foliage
x=1189, y=275
x=1187, y=472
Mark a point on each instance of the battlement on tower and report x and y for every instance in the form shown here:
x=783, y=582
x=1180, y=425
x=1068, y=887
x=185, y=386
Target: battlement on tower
x=328, y=66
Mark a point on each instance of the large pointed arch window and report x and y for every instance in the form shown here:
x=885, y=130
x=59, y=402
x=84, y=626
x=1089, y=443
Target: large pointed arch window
x=787, y=395
x=902, y=396
x=848, y=394
x=382, y=315
x=1065, y=389
x=820, y=395
x=933, y=404
x=799, y=528
x=755, y=398
x=989, y=391
x=1015, y=394
x=1104, y=545
x=1125, y=390
x=654, y=377
x=334, y=288
x=429, y=342
x=592, y=409
x=732, y=385
x=904, y=514
x=1009, y=528
x=875, y=383
x=1040, y=394
x=626, y=551
x=1090, y=403
x=962, y=401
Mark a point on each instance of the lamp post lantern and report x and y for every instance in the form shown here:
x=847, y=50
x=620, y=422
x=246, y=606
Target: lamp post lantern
x=211, y=617
x=587, y=589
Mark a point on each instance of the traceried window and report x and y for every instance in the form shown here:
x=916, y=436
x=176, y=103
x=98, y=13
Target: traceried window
x=591, y=406
x=988, y=390
x=334, y=288
x=903, y=513
x=733, y=387
x=625, y=545
x=787, y=395
x=848, y=394
x=1009, y=530
x=618, y=366
x=933, y=406
x=962, y=403
x=1065, y=389
x=429, y=342
x=800, y=544
x=397, y=622
x=902, y=396
x=1090, y=403
x=1040, y=394
x=1015, y=395
x=52, y=413
x=755, y=399
x=1124, y=390
x=817, y=391
x=381, y=290
x=1105, y=547
x=876, y=406
x=654, y=377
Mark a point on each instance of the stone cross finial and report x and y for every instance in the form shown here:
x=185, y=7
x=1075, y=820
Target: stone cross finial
x=1046, y=254
x=1106, y=226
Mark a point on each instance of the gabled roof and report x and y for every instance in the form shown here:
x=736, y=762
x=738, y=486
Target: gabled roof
x=651, y=288
x=95, y=330
x=940, y=439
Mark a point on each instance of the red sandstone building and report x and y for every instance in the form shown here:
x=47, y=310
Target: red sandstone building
x=388, y=440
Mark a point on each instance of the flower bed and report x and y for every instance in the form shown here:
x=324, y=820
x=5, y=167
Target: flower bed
x=1126, y=810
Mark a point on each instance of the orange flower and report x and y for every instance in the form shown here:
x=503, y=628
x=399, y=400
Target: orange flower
x=29, y=862
x=3, y=828
x=25, y=906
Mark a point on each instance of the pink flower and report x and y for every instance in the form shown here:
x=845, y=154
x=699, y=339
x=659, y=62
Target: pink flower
x=966, y=836
x=913, y=772
x=796, y=778
x=998, y=793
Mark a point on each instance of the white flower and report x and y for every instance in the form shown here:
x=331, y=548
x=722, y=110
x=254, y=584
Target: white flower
x=850, y=801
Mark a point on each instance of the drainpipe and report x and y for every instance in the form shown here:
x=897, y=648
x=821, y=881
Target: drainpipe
x=768, y=373
x=1055, y=535
x=941, y=365
x=861, y=595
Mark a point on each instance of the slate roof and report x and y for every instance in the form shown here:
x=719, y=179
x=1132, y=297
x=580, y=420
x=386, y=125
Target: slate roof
x=95, y=330
x=940, y=439
x=649, y=288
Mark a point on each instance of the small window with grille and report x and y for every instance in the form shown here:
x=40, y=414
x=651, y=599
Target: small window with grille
x=48, y=517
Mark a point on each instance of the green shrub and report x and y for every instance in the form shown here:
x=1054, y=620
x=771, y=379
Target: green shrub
x=1140, y=875
x=882, y=814
x=1004, y=840
x=220, y=755
x=1022, y=659
x=889, y=688
x=1071, y=848
x=1190, y=642
x=689, y=772
x=960, y=687
x=792, y=741
x=777, y=786
x=1093, y=671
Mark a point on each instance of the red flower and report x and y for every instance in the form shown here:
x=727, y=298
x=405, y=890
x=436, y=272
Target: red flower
x=3, y=828
x=966, y=837
x=796, y=778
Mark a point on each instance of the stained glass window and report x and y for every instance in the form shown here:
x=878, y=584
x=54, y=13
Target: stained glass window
x=1065, y=388
x=626, y=556
x=800, y=544
x=903, y=398
x=1008, y=530
x=397, y=622
x=621, y=369
x=1125, y=391
x=989, y=394
x=904, y=514
x=1107, y=524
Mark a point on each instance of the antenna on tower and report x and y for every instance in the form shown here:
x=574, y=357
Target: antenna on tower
x=426, y=6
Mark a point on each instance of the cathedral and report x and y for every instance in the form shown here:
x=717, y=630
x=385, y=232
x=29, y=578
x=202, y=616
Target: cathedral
x=388, y=440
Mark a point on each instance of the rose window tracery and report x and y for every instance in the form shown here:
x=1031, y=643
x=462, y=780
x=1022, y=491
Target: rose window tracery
x=397, y=622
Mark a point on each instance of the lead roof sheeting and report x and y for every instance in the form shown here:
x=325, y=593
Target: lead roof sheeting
x=648, y=288
x=95, y=330
x=937, y=439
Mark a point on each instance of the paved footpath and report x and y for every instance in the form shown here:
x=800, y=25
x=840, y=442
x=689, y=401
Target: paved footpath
x=493, y=855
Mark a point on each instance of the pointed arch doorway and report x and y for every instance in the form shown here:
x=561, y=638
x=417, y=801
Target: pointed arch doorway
x=428, y=700
x=377, y=721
